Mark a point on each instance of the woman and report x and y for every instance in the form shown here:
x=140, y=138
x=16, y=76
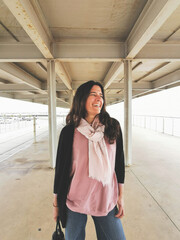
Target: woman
x=89, y=173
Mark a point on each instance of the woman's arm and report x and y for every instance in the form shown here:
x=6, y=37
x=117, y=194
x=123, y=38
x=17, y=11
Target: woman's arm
x=120, y=173
x=120, y=201
x=55, y=207
x=56, y=178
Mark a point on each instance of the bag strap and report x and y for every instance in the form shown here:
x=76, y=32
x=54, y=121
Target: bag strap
x=58, y=228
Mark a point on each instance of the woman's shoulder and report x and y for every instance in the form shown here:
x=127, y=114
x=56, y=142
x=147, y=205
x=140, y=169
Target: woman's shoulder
x=67, y=128
x=115, y=122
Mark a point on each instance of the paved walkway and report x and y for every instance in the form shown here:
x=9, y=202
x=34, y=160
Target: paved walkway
x=152, y=191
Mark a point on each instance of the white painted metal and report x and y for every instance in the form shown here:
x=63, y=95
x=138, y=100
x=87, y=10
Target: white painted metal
x=30, y=96
x=20, y=87
x=135, y=86
x=59, y=87
x=128, y=111
x=153, y=16
x=113, y=86
x=163, y=52
x=88, y=50
x=161, y=83
x=169, y=79
x=16, y=72
x=42, y=19
x=27, y=17
x=19, y=52
x=52, y=111
x=113, y=72
x=63, y=75
x=6, y=95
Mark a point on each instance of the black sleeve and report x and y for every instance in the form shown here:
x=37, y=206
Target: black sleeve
x=119, y=162
x=59, y=161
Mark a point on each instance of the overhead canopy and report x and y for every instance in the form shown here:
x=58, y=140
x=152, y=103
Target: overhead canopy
x=89, y=39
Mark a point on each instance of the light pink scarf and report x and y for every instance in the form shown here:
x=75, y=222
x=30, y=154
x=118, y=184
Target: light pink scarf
x=99, y=165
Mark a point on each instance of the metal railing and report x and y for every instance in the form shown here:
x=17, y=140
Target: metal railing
x=162, y=124
x=19, y=131
x=9, y=123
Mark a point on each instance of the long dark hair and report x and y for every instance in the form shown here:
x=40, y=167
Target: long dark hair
x=78, y=111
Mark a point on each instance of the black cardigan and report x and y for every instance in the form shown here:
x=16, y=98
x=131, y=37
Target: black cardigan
x=63, y=168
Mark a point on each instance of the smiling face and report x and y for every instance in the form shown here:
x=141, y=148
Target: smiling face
x=94, y=103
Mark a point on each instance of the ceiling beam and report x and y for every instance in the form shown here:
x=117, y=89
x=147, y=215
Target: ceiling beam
x=31, y=96
x=28, y=52
x=88, y=50
x=154, y=70
x=64, y=95
x=28, y=19
x=114, y=86
x=161, y=83
x=6, y=95
x=135, y=86
x=153, y=16
x=59, y=87
x=16, y=72
x=18, y=52
x=169, y=79
x=20, y=87
x=62, y=105
x=161, y=51
x=41, y=17
x=144, y=93
x=113, y=72
x=113, y=96
x=25, y=14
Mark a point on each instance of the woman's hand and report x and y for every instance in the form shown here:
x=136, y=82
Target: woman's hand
x=120, y=201
x=55, y=213
x=55, y=208
x=120, y=204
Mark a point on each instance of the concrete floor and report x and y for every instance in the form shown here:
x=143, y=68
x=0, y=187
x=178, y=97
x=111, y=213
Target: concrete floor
x=152, y=191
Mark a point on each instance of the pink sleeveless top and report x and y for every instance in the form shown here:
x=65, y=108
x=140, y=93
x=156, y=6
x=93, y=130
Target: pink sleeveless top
x=87, y=195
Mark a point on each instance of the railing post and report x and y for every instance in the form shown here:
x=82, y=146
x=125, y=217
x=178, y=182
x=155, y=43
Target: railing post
x=34, y=128
x=172, y=126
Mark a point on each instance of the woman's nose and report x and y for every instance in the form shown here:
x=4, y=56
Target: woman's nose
x=98, y=98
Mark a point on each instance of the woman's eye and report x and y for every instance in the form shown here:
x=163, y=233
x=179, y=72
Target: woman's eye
x=96, y=95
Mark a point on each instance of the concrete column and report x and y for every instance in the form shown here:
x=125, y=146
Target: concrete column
x=128, y=111
x=51, y=80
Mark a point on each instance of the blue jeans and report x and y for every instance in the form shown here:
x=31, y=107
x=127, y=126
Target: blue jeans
x=107, y=227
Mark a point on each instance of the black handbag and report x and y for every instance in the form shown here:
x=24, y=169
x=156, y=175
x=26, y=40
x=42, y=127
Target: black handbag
x=58, y=234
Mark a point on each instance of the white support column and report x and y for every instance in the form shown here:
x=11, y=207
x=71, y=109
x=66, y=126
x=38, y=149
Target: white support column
x=51, y=78
x=128, y=111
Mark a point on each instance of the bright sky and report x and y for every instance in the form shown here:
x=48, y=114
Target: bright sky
x=164, y=103
x=8, y=105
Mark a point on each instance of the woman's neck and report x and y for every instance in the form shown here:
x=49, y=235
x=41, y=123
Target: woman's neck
x=90, y=119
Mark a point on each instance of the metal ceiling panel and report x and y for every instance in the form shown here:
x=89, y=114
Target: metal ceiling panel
x=91, y=18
